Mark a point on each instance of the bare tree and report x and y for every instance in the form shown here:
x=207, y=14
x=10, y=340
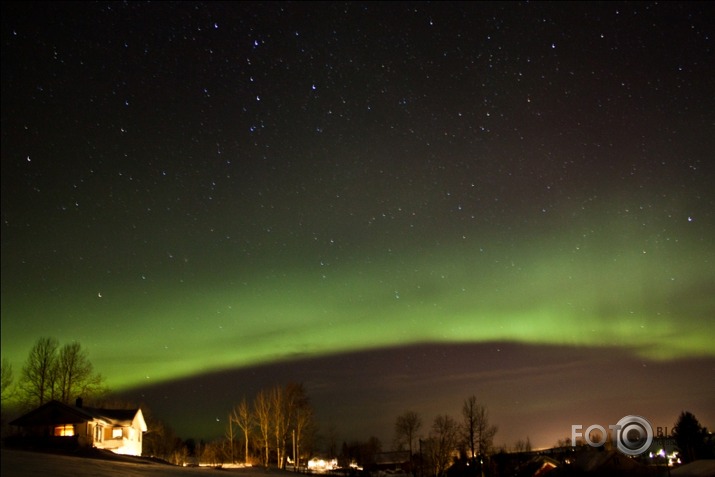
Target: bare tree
x=522, y=445
x=231, y=437
x=302, y=417
x=565, y=442
x=51, y=372
x=242, y=416
x=210, y=453
x=262, y=414
x=332, y=440
x=478, y=434
x=442, y=444
x=6, y=379
x=161, y=441
x=179, y=455
x=278, y=413
x=280, y=408
x=407, y=426
x=76, y=376
x=37, y=381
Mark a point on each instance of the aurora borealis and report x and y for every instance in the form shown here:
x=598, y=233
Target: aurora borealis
x=194, y=188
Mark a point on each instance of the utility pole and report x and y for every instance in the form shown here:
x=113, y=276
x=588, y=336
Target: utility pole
x=230, y=436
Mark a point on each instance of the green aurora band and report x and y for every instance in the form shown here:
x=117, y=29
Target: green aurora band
x=649, y=295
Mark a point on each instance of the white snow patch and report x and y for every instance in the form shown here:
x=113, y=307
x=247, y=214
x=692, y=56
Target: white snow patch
x=15, y=463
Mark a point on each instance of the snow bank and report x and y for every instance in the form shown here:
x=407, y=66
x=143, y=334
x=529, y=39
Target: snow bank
x=14, y=463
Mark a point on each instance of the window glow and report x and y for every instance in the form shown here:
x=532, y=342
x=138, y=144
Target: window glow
x=66, y=430
x=117, y=433
x=320, y=465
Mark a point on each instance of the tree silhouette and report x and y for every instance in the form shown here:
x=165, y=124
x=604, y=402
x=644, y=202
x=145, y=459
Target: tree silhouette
x=280, y=417
x=442, y=443
x=6, y=379
x=280, y=412
x=478, y=433
x=51, y=372
x=241, y=415
x=302, y=417
x=38, y=378
x=75, y=374
x=161, y=441
x=231, y=437
x=523, y=445
x=691, y=437
x=262, y=413
x=407, y=426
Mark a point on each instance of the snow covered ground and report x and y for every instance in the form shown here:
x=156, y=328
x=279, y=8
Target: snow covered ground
x=14, y=463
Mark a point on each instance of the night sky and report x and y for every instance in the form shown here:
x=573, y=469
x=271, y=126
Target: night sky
x=400, y=204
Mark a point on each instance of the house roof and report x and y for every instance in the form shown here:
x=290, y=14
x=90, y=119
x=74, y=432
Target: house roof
x=118, y=417
x=55, y=413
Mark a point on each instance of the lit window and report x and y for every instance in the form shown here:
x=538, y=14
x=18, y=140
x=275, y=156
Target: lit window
x=64, y=431
x=117, y=433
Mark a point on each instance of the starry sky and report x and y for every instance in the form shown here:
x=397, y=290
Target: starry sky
x=514, y=197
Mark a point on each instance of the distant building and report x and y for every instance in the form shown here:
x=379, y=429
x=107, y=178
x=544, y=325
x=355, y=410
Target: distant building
x=317, y=464
x=396, y=462
x=539, y=466
x=63, y=426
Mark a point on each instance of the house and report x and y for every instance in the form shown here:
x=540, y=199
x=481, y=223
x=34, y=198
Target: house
x=542, y=465
x=55, y=424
